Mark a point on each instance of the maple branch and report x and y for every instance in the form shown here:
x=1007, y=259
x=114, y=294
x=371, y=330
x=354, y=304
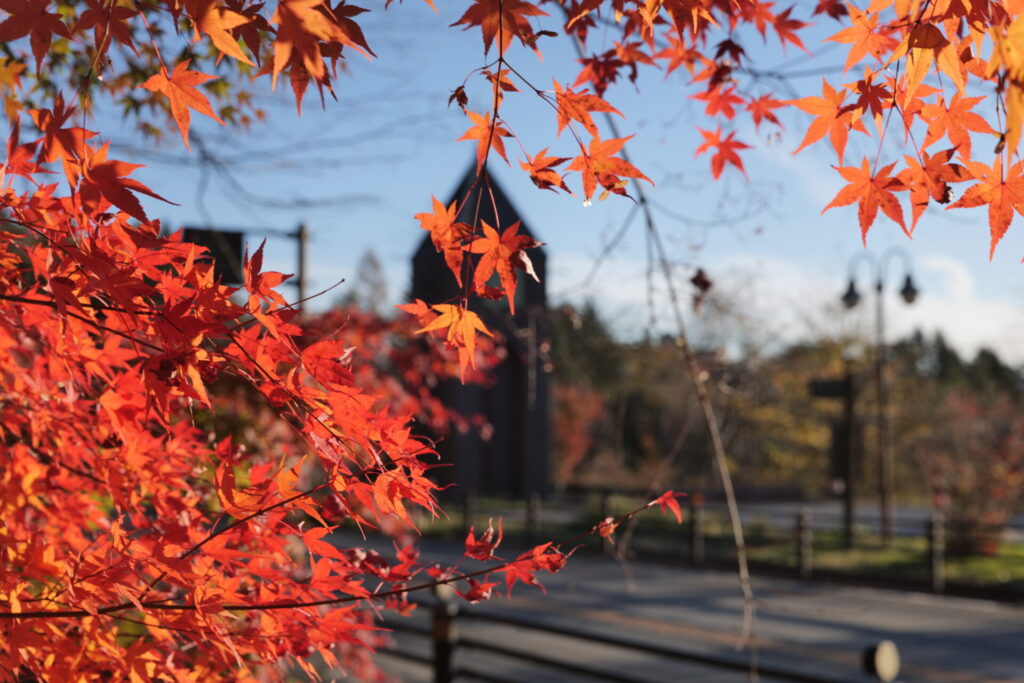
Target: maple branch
x=45, y=459
x=84, y=304
x=162, y=605
x=234, y=525
x=84, y=319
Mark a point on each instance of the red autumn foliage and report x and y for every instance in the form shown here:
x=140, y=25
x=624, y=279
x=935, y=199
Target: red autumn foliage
x=136, y=547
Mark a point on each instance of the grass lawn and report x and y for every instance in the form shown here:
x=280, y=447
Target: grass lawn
x=659, y=537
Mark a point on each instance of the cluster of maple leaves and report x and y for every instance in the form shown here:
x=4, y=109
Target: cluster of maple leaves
x=135, y=547
x=921, y=67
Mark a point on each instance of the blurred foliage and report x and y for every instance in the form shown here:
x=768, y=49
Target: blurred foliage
x=626, y=419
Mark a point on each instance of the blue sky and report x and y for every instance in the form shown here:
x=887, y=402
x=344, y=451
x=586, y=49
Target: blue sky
x=389, y=144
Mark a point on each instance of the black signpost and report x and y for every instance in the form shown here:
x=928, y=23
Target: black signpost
x=227, y=249
x=846, y=444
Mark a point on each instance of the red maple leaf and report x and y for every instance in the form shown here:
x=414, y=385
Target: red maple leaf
x=727, y=151
x=31, y=18
x=542, y=171
x=107, y=20
x=718, y=101
x=507, y=16
x=504, y=253
x=259, y=284
x=787, y=27
x=599, y=166
x=483, y=548
x=59, y=142
x=762, y=108
x=180, y=89
x=477, y=591
x=668, y=501
x=328, y=360
x=99, y=179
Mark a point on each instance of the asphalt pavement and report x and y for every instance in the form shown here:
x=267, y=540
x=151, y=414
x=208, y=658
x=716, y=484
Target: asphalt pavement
x=811, y=628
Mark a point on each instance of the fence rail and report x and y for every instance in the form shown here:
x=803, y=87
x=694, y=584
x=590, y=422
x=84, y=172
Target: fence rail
x=792, y=541
x=447, y=646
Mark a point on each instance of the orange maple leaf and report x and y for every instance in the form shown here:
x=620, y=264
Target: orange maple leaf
x=865, y=38
x=446, y=234
x=218, y=23
x=929, y=180
x=504, y=253
x=485, y=137
x=180, y=89
x=461, y=326
x=443, y=225
x=301, y=27
x=509, y=17
x=599, y=166
x=955, y=122
x=727, y=151
x=832, y=118
x=577, y=106
x=499, y=81
x=871, y=191
x=924, y=46
x=1004, y=194
x=420, y=309
x=542, y=171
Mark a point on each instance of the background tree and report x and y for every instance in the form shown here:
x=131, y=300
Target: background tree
x=119, y=511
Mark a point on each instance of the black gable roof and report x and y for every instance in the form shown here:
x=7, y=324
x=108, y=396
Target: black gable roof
x=516, y=402
x=431, y=279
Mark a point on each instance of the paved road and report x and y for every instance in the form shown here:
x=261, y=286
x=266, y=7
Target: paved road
x=814, y=627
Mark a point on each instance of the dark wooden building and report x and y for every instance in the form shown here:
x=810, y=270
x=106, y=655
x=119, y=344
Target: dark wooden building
x=514, y=461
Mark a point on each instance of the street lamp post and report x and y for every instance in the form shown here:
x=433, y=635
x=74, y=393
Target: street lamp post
x=886, y=476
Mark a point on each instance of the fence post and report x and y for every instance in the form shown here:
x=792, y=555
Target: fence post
x=696, y=532
x=446, y=634
x=937, y=552
x=805, y=543
x=468, y=512
x=606, y=512
x=532, y=517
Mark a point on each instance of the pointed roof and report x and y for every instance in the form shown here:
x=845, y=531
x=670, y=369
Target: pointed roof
x=431, y=280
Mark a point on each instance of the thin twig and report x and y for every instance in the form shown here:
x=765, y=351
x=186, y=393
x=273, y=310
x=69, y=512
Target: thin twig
x=697, y=374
